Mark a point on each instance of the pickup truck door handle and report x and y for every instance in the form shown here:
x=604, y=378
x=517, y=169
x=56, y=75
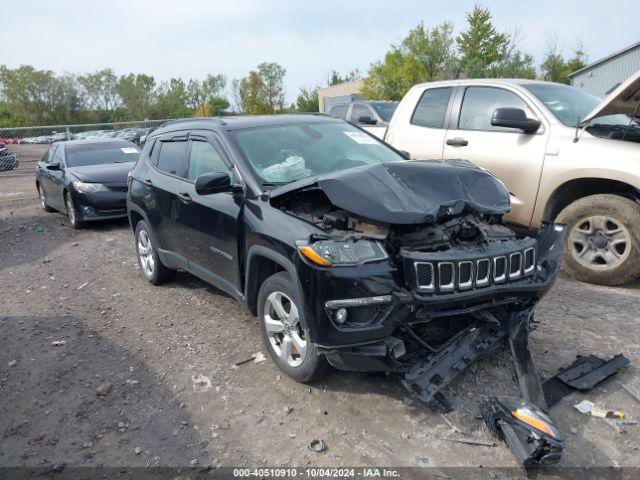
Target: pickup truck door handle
x=457, y=142
x=184, y=197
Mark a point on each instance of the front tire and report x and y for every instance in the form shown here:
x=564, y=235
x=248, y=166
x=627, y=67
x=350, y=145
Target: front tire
x=289, y=345
x=152, y=268
x=72, y=212
x=602, y=245
x=43, y=200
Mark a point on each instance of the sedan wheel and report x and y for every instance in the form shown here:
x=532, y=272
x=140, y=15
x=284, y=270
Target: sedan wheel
x=282, y=324
x=43, y=200
x=145, y=253
x=71, y=212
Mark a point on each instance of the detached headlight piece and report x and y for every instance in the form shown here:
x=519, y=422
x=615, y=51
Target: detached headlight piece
x=327, y=253
x=89, y=187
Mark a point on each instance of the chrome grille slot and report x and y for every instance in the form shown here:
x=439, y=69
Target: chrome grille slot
x=465, y=274
x=499, y=269
x=446, y=275
x=515, y=265
x=483, y=271
x=529, y=260
x=424, y=275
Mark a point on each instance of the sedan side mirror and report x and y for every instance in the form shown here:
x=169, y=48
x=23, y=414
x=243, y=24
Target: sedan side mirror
x=514, y=118
x=367, y=120
x=213, y=182
x=53, y=166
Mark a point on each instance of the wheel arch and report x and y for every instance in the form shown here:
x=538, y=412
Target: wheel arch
x=136, y=214
x=263, y=262
x=578, y=188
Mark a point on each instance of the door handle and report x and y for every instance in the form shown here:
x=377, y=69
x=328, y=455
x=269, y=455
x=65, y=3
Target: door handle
x=147, y=182
x=184, y=198
x=457, y=142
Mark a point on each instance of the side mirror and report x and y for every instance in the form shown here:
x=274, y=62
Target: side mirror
x=514, y=118
x=53, y=166
x=214, y=182
x=367, y=120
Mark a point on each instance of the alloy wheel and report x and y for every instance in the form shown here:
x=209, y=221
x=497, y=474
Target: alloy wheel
x=282, y=323
x=600, y=242
x=145, y=253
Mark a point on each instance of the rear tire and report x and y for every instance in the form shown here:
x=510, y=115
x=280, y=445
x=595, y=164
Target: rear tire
x=290, y=346
x=602, y=244
x=152, y=268
x=72, y=212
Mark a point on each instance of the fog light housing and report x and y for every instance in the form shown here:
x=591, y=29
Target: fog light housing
x=341, y=315
x=88, y=210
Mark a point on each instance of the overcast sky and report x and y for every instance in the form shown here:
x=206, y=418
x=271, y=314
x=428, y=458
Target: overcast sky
x=190, y=38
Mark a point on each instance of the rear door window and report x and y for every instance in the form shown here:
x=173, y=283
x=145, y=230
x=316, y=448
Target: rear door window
x=172, y=158
x=432, y=107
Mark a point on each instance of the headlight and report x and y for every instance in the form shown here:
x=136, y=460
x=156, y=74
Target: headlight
x=342, y=252
x=89, y=187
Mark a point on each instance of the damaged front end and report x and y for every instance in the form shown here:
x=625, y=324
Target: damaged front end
x=413, y=271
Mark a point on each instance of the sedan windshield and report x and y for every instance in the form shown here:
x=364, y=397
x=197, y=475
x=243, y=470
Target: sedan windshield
x=571, y=105
x=85, y=154
x=284, y=153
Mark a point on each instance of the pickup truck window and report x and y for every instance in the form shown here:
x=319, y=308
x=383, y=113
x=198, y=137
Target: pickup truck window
x=360, y=111
x=432, y=107
x=339, y=111
x=478, y=106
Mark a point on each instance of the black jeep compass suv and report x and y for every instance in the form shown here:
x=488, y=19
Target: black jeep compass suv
x=348, y=253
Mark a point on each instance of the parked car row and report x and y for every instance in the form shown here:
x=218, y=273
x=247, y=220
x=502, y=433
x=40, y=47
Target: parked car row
x=134, y=135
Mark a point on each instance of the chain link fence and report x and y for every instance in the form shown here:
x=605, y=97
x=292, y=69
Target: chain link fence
x=22, y=147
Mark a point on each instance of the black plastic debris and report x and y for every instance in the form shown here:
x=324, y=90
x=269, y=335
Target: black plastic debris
x=528, y=432
x=583, y=374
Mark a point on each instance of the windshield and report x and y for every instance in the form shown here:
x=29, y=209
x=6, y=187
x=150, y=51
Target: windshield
x=284, y=153
x=385, y=110
x=101, y=153
x=571, y=105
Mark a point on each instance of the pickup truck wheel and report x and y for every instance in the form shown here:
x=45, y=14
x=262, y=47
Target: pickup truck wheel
x=288, y=343
x=152, y=268
x=602, y=245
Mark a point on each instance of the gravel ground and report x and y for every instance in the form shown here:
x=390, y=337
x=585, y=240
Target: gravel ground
x=164, y=358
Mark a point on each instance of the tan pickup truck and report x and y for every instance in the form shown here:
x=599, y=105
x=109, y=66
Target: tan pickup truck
x=564, y=155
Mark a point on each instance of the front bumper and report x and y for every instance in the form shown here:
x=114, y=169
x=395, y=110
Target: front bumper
x=373, y=336
x=101, y=205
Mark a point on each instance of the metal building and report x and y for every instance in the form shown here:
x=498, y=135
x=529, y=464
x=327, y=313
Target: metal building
x=605, y=74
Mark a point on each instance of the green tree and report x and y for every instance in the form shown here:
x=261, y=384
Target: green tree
x=99, y=90
x=171, y=100
x=335, y=78
x=307, y=100
x=555, y=68
x=262, y=91
x=481, y=47
x=217, y=105
x=138, y=95
x=423, y=55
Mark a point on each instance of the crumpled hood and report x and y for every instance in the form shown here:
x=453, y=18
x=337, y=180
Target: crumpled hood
x=105, y=173
x=410, y=192
x=624, y=99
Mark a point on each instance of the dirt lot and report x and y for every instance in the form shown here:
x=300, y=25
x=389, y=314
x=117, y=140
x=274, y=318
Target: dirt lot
x=159, y=347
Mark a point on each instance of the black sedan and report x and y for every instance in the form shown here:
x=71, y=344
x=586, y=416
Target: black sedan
x=87, y=179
